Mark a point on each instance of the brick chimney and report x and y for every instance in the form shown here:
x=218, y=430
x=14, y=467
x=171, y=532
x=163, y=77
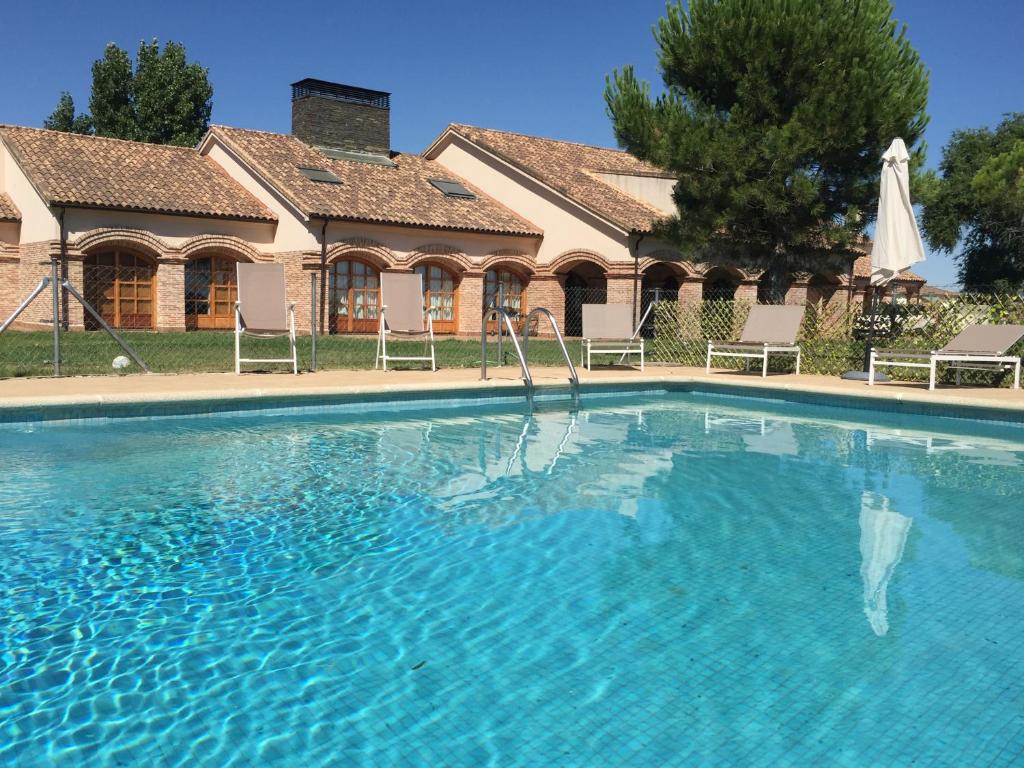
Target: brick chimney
x=343, y=117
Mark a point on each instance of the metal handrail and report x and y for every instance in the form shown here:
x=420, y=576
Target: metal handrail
x=574, y=379
x=499, y=313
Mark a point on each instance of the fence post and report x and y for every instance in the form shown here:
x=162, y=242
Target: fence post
x=56, y=315
x=312, y=321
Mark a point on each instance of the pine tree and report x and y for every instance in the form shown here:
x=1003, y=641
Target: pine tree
x=774, y=119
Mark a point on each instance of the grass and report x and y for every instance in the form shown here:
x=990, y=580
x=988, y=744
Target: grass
x=30, y=353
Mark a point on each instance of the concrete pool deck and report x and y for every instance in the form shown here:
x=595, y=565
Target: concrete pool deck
x=100, y=390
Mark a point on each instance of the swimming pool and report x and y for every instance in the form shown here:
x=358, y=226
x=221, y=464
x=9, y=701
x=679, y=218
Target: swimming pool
x=653, y=580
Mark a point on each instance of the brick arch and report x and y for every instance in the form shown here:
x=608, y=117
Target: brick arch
x=141, y=241
x=447, y=256
x=234, y=246
x=566, y=260
x=512, y=260
x=370, y=251
x=671, y=260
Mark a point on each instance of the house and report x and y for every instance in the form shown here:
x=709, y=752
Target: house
x=150, y=234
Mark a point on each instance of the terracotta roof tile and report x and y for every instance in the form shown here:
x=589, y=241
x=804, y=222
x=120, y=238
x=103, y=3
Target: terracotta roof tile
x=570, y=169
x=8, y=210
x=369, y=192
x=96, y=172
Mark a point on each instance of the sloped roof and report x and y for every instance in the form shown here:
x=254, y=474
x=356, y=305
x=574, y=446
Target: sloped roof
x=93, y=172
x=8, y=210
x=570, y=169
x=383, y=194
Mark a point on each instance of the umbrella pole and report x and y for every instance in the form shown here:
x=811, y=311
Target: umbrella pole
x=871, y=328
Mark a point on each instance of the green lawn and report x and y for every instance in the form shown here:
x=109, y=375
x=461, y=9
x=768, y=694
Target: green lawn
x=29, y=353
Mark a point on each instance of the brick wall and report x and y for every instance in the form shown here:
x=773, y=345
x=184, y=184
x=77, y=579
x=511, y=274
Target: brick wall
x=170, y=296
x=746, y=291
x=330, y=123
x=34, y=266
x=691, y=291
x=471, y=303
x=547, y=291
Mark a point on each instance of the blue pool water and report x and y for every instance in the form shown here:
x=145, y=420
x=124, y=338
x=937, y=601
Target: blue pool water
x=674, y=580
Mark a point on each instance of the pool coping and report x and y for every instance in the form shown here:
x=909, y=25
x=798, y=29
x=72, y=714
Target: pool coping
x=135, y=404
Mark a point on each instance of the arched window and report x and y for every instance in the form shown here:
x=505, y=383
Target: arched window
x=211, y=290
x=439, y=289
x=505, y=289
x=354, y=291
x=719, y=285
x=121, y=286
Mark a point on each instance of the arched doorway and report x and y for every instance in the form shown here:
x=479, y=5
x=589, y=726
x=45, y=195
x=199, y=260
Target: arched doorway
x=584, y=284
x=507, y=289
x=440, y=292
x=660, y=282
x=772, y=288
x=121, y=286
x=719, y=285
x=353, y=292
x=211, y=290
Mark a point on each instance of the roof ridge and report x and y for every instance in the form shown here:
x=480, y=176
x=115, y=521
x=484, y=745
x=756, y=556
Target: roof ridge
x=540, y=138
x=93, y=137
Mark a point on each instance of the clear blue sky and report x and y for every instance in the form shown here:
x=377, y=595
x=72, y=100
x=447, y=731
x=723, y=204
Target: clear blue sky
x=535, y=67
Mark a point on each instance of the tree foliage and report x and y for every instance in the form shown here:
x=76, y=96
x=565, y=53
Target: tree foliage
x=63, y=117
x=774, y=118
x=163, y=99
x=977, y=200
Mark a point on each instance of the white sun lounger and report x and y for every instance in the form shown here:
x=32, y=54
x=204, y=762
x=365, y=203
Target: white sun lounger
x=608, y=330
x=263, y=310
x=769, y=330
x=403, y=313
x=975, y=348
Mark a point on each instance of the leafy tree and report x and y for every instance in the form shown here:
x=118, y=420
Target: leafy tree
x=173, y=98
x=977, y=200
x=165, y=99
x=774, y=118
x=63, y=118
x=112, y=103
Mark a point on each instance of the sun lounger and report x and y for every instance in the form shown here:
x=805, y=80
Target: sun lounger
x=608, y=330
x=975, y=348
x=769, y=330
x=403, y=314
x=263, y=310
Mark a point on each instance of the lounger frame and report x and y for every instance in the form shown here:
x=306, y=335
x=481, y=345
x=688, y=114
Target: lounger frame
x=290, y=333
x=624, y=348
x=382, y=342
x=751, y=351
x=960, y=361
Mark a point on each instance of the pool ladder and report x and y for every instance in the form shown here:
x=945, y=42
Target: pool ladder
x=503, y=318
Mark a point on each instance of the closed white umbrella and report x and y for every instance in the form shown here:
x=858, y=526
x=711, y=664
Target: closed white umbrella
x=898, y=243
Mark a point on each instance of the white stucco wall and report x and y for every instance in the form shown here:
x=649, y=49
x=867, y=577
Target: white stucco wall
x=566, y=226
x=37, y=222
x=292, y=233
x=651, y=189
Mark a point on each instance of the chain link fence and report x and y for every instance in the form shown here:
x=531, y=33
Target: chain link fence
x=197, y=334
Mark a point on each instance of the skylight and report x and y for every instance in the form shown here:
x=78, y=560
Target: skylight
x=319, y=174
x=453, y=189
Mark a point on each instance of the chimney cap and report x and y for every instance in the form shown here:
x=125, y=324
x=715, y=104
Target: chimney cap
x=339, y=92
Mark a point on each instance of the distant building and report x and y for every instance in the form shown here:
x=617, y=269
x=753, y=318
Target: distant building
x=151, y=233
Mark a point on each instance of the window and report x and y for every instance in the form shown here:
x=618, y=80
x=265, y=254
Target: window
x=441, y=297
x=505, y=289
x=120, y=285
x=453, y=189
x=354, y=291
x=319, y=174
x=211, y=291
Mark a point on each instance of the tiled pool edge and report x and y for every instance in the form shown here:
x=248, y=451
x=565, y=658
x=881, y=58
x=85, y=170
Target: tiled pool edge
x=102, y=408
